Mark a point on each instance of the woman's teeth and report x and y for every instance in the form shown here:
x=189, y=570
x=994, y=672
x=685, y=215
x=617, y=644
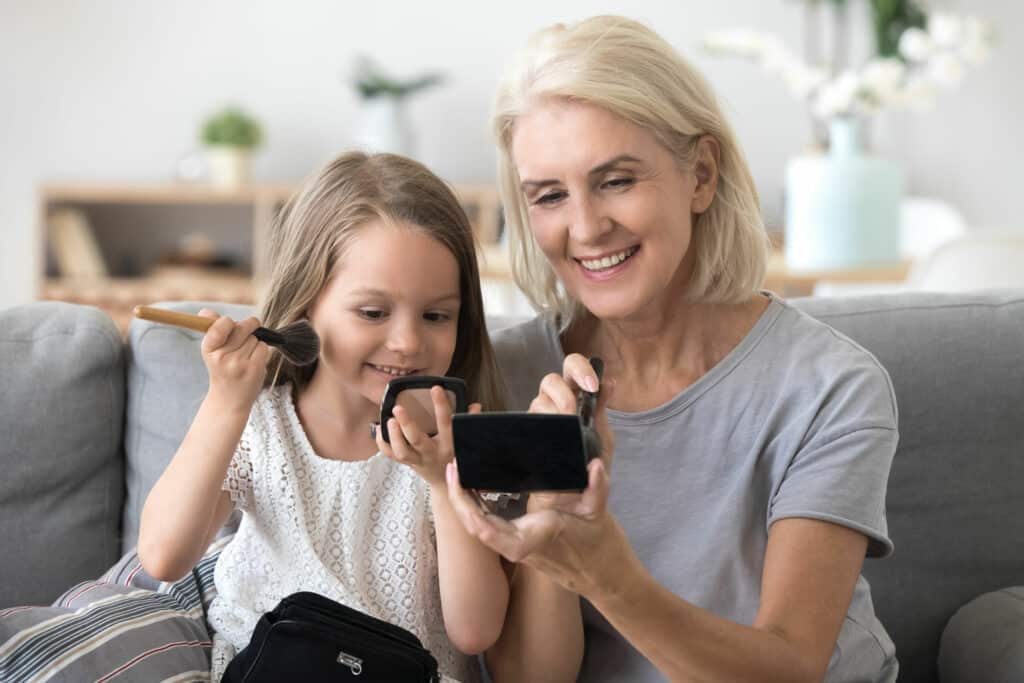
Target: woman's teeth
x=608, y=261
x=397, y=372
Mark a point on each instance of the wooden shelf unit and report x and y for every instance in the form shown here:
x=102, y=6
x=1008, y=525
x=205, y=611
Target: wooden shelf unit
x=135, y=222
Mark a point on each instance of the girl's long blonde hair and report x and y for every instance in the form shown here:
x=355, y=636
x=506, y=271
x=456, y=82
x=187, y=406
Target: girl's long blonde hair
x=315, y=227
x=624, y=67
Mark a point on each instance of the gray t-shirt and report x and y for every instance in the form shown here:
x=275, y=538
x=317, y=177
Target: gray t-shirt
x=796, y=421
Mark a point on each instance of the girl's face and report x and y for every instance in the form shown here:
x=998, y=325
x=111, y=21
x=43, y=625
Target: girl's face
x=609, y=206
x=390, y=309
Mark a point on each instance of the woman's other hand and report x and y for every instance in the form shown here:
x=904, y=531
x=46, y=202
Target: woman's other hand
x=571, y=537
x=235, y=360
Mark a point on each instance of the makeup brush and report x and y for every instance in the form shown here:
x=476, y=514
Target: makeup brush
x=296, y=342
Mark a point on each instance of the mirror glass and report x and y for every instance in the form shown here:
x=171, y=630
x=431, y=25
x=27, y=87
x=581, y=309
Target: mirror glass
x=418, y=405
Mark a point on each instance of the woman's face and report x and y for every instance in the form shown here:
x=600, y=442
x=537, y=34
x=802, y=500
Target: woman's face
x=391, y=309
x=609, y=206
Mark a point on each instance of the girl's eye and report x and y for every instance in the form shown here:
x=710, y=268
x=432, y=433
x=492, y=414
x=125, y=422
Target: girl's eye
x=437, y=317
x=371, y=313
x=550, y=197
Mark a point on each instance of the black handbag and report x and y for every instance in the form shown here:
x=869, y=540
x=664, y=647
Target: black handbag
x=311, y=638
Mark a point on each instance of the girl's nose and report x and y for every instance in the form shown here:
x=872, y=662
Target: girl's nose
x=404, y=338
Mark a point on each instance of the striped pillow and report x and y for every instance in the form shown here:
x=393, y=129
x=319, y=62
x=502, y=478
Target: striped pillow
x=126, y=626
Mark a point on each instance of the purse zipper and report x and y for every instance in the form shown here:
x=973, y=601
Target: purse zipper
x=354, y=664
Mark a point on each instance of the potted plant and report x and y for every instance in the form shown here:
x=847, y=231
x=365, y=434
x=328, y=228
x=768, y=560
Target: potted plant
x=382, y=125
x=842, y=206
x=230, y=135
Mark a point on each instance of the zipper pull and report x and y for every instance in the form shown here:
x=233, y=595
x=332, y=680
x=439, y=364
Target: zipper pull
x=353, y=663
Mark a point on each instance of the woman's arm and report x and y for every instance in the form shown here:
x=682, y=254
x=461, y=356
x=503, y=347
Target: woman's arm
x=186, y=506
x=474, y=587
x=810, y=570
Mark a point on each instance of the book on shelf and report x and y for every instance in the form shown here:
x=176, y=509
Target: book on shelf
x=74, y=244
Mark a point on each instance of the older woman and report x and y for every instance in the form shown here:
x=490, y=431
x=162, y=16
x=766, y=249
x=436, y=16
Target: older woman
x=752, y=444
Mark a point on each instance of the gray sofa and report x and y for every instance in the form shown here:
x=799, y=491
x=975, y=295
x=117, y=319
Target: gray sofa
x=87, y=423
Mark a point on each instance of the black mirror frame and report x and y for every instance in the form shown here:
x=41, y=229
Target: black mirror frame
x=396, y=386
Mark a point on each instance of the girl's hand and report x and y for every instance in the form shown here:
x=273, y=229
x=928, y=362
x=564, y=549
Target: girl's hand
x=410, y=445
x=235, y=360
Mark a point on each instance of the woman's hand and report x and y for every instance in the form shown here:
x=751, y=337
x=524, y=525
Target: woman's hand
x=410, y=445
x=235, y=360
x=570, y=537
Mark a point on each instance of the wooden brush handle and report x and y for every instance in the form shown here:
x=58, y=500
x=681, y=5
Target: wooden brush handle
x=162, y=315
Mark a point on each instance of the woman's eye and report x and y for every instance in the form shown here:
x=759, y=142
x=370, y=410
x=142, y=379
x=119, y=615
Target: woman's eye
x=550, y=197
x=618, y=183
x=371, y=313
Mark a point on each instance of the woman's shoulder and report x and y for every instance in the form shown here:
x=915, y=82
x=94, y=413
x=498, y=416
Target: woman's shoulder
x=815, y=354
x=526, y=350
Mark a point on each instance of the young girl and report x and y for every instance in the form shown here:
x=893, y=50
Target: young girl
x=377, y=254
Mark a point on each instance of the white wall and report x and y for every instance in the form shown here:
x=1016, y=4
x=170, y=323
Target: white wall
x=114, y=90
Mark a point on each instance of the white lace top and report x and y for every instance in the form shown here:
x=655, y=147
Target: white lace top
x=360, y=533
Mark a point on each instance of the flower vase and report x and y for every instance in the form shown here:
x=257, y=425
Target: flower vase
x=383, y=126
x=843, y=207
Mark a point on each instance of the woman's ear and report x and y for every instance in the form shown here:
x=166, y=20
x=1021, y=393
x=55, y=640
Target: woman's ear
x=705, y=169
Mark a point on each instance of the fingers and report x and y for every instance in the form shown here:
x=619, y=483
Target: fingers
x=594, y=500
x=442, y=413
x=225, y=334
x=555, y=396
x=557, y=393
x=577, y=370
x=491, y=530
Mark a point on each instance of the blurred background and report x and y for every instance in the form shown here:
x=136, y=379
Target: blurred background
x=103, y=106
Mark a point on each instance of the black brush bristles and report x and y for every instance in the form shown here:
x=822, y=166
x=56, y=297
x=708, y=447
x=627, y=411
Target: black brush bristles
x=297, y=342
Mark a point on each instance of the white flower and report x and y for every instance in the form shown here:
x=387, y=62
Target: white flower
x=978, y=39
x=916, y=45
x=882, y=79
x=945, y=70
x=947, y=30
x=838, y=96
x=803, y=80
x=918, y=94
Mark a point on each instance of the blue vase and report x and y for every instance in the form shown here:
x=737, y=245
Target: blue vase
x=842, y=208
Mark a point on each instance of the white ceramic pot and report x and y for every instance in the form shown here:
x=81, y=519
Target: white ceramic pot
x=383, y=126
x=842, y=208
x=229, y=166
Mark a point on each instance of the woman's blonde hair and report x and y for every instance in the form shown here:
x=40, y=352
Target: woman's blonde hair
x=627, y=69
x=312, y=232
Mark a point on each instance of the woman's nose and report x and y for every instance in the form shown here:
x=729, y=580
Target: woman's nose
x=588, y=223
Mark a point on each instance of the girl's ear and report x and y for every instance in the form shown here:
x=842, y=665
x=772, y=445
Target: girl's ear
x=705, y=169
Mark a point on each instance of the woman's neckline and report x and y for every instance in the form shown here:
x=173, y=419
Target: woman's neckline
x=681, y=399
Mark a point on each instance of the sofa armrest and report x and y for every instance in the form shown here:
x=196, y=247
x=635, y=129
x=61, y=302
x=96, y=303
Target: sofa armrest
x=984, y=641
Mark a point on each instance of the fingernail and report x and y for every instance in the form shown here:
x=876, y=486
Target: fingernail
x=591, y=384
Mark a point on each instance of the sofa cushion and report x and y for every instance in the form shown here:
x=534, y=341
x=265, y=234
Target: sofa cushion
x=61, y=420
x=166, y=383
x=124, y=626
x=984, y=641
x=954, y=499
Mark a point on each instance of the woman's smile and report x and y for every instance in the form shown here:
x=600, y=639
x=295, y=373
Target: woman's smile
x=603, y=267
